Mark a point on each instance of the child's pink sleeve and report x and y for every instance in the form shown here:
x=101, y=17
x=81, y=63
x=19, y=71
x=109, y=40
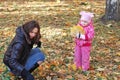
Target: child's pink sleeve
x=90, y=33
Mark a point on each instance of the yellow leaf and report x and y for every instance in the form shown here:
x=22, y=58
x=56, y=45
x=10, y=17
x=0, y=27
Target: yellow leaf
x=98, y=74
x=64, y=34
x=117, y=60
x=73, y=67
x=77, y=29
x=118, y=53
x=66, y=41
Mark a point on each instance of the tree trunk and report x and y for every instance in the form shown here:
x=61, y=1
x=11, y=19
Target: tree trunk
x=112, y=11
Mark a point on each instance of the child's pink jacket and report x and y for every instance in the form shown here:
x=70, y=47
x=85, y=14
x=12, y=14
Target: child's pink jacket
x=82, y=48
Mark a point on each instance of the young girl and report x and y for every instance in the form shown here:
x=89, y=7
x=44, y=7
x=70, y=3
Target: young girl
x=84, y=41
x=21, y=58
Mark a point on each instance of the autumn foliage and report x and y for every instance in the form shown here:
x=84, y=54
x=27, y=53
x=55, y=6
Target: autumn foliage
x=57, y=21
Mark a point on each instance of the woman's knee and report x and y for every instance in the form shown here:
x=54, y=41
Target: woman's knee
x=42, y=57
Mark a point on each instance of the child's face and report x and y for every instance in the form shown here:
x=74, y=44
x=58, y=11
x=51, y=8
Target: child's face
x=84, y=22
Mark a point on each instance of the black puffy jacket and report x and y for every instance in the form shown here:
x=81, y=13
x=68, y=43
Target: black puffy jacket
x=18, y=51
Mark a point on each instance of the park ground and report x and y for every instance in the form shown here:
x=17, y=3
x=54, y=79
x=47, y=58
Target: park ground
x=55, y=20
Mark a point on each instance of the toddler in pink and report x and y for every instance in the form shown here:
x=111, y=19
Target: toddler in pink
x=84, y=41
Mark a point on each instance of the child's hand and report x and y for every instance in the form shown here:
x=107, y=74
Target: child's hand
x=78, y=35
x=82, y=36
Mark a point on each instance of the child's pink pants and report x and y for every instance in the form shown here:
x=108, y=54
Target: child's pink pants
x=82, y=57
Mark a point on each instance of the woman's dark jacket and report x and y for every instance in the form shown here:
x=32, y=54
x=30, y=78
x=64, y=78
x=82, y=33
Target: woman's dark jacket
x=18, y=51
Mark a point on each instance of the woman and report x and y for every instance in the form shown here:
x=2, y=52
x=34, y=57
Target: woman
x=21, y=58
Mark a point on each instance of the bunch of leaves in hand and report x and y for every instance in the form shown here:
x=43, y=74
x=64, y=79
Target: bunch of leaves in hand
x=77, y=29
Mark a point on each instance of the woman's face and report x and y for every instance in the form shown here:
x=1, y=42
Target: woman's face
x=33, y=33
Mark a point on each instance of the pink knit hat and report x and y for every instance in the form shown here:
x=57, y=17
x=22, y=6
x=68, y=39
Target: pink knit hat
x=87, y=16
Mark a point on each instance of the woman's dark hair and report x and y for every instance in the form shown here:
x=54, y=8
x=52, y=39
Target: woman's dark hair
x=29, y=26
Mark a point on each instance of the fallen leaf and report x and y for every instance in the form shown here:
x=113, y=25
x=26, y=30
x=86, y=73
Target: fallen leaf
x=118, y=54
x=69, y=77
x=100, y=69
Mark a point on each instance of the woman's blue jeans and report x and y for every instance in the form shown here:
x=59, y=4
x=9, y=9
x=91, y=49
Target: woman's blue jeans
x=35, y=55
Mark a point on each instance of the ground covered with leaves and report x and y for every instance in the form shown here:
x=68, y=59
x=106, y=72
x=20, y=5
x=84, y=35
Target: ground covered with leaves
x=55, y=20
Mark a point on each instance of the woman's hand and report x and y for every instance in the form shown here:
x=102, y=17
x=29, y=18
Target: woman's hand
x=39, y=44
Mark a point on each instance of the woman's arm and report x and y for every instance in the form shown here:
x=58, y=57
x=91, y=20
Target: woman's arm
x=15, y=56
